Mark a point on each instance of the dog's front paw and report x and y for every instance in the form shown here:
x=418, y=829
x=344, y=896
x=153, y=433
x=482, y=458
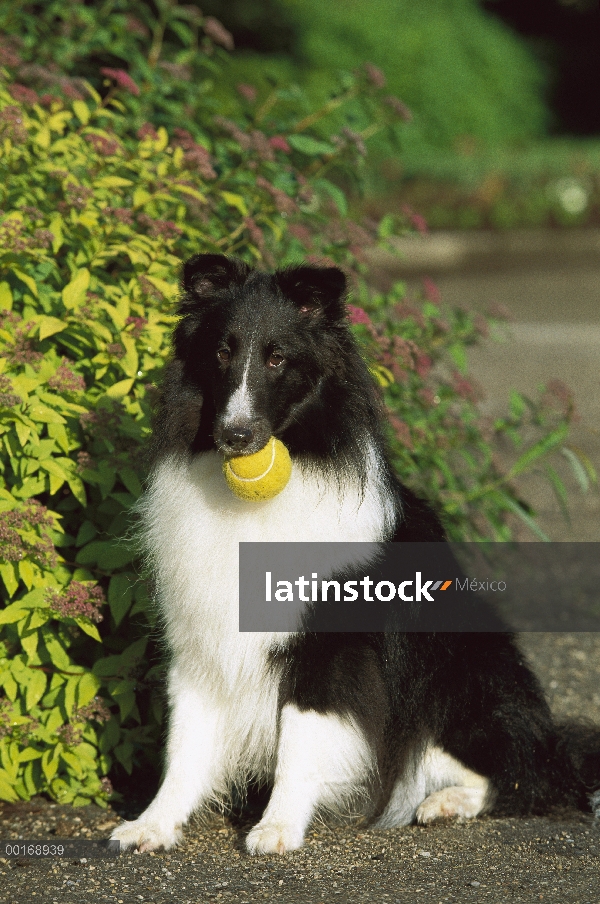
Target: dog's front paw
x=451, y=803
x=274, y=838
x=146, y=835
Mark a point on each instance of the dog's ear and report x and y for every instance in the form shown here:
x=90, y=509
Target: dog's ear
x=205, y=275
x=314, y=289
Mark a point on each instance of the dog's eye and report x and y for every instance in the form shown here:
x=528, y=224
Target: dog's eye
x=275, y=360
x=224, y=355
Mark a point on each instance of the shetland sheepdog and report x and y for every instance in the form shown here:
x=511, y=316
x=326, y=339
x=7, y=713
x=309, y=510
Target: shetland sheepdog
x=392, y=727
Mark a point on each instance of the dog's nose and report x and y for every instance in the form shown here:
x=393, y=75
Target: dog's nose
x=237, y=438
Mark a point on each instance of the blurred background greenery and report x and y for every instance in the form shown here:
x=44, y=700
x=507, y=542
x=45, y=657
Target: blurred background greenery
x=501, y=94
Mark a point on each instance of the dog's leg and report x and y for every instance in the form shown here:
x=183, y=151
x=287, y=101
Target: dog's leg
x=322, y=761
x=191, y=770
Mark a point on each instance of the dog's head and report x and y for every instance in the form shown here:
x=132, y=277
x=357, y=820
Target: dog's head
x=251, y=352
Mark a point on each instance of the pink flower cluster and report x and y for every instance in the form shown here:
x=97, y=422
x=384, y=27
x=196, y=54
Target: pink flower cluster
x=85, y=462
x=21, y=351
x=401, y=430
x=255, y=233
x=96, y=710
x=254, y=141
x=149, y=288
x=374, y=75
x=147, y=131
x=16, y=528
x=163, y=228
x=23, y=95
x=8, y=398
x=14, y=237
x=122, y=78
x=248, y=92
x=21, y=732
x=399, y=108
x=357, y=315
x=76, y=196
x=121, y=214
x=466, y=389
x=279, y=143
x=115, y=350
x=9, y=56
x=284, y=204
x=415, y=219
x=135, y=27
x=195, y=155
x=105, y=147
x=218, y=33
x=77, y=600
x=66, y=380
x=70, y=734
x=11, y=125
x=138, y=324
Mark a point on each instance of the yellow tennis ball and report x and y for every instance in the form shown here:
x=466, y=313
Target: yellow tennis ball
x=259, y=476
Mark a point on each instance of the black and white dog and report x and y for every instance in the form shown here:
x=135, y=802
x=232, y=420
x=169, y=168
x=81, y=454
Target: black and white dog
x=395, y=727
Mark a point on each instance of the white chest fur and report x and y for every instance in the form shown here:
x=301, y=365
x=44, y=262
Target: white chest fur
x=193, y=525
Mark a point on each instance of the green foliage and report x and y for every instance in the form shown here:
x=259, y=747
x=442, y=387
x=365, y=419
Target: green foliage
x=550, y=183
x=459, y=69
x=97, y=214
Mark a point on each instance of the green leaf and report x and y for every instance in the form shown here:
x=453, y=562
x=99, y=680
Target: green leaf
x=82, y=110
x=120, y=596
x=120, y=389
x=74, y=293
x=56, y=225
x=131, y=481
x=9, y=579
x=28, y=280
x=107, y=554
x=335, y=193
x=169, y=290
x=539, y=449
x=235, y=201
x=559, y=491
x=458, y=353
x=581, y=466
x=57, y=653
x=12, y=614
x=6, y=297
x=51, y=325
x=87, y=689
x=312, y=147
x=36, y=688
x=7, y=791
x=526, y=518
x=89, y=628
x=86, y=532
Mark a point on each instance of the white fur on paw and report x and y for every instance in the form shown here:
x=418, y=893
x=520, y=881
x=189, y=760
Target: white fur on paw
x=273, y=838
x=145, y=836
x=451, y=803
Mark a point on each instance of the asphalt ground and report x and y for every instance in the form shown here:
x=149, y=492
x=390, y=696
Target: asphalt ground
x=554, y=294
x=550, y=859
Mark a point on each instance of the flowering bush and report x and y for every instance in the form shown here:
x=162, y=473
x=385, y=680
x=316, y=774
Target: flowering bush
x=97, y=214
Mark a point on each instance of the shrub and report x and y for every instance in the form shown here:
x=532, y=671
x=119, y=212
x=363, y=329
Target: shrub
x=97, y=215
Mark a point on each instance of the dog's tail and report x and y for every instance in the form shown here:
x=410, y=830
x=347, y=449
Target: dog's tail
x=580, y=743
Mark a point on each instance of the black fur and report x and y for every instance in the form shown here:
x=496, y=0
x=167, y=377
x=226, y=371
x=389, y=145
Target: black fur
x=472, y=694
